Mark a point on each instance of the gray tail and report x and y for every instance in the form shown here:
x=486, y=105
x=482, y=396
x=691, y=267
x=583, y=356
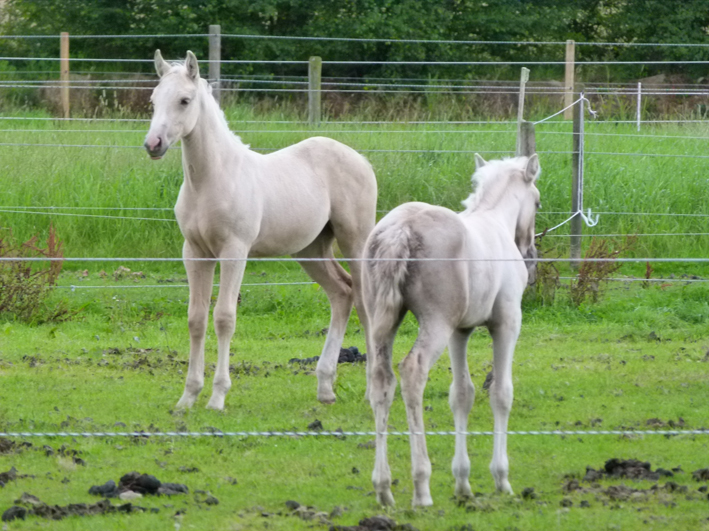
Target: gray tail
x=385, y=275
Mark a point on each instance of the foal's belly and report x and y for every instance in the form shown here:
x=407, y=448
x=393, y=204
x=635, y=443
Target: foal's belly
x=289, y=238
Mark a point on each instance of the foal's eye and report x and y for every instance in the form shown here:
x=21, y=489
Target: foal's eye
x=538, y=205
x=184, y=102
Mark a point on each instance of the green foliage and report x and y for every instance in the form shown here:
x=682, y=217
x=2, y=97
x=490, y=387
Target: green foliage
x=25, y=286
x=494, y=20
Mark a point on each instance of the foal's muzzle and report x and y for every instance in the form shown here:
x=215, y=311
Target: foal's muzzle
x=531, y=263
x=156, y=147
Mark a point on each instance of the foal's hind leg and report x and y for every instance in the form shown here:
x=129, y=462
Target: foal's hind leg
x=460, y=399
x=200, y=276
x=504, y=337
x=414, y=373
x=381, y=396
x=338, y=286
x=354, y=248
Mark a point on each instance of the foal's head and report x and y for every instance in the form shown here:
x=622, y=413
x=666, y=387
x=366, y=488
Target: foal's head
x=506, y=181
x=175, y=103
x=529, y=204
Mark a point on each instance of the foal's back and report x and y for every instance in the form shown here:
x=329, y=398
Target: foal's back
x=462, y=287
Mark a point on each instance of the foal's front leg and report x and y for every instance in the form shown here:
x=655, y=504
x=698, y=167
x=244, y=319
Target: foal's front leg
x=231, y=273
x=200, y=275
x=461, y=398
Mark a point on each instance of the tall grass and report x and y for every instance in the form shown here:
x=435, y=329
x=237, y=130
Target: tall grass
x=654, y=171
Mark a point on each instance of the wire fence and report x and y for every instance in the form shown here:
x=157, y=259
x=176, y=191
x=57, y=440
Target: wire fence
x=408, y=86
x=340, y=433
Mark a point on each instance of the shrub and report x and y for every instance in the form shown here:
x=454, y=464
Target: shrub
x=26, y=284
x=587, y=284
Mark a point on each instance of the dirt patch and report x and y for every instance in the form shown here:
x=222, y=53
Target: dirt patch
x=135, y=482
x=701, y=475
x=347, y=355
x=626, y=468
x=659, y=423
x=636, y=470
x=375, y=523
x=623, y=492
x=11, y=475
x=29, y=505
x=8, y=446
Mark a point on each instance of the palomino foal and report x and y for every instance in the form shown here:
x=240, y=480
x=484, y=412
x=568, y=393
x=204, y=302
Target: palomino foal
x=479, y=282
x=235, y=203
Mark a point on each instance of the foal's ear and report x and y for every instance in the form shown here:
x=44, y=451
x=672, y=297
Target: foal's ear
x=192, y=66
x=161, y=66
x=479, y=161
x=531, y=170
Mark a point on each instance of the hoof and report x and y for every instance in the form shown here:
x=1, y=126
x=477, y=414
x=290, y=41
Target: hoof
x=423, y=501
x=216, y=402
x=326, y=395
x=330, y=399
x=463, y=492
x=385, y=498
x=505, y=488
x=186, y=402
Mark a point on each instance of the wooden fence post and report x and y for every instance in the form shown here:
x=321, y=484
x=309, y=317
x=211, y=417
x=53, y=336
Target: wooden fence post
x=524, y=77
x=64, y=71
x=569, y=80
x=526, y=142
x=215, y=56
x=576, y=223
x=314, y=77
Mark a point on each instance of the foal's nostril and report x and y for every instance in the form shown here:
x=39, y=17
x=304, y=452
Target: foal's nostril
x=153, y=144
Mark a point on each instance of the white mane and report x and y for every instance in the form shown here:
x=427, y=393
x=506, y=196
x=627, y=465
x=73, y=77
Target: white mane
x=496, y=172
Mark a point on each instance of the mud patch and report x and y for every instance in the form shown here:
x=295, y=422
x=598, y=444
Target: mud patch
x=347, y=355
x=12, y=475
x=625, y=493
x=29, y=505
x=635, y=470
x=659, y=423
x=626, y=468
x=375, y=523
x=701, y=475
x=8, y=446
x=135, y=482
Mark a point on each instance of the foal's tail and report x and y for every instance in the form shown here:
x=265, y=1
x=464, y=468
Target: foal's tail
x=384, y=276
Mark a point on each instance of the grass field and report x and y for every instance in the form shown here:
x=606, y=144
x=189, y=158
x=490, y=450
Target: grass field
x=655, y=171
x=638, y=355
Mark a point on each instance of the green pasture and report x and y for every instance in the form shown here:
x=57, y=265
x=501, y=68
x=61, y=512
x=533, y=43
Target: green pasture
x=657, y=171
x=118, y=363
x=637, y=355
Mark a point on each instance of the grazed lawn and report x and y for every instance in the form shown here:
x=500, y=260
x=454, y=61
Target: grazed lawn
x=118, y=366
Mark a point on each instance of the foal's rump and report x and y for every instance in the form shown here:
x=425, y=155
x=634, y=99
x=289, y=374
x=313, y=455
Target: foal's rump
x=402, y=272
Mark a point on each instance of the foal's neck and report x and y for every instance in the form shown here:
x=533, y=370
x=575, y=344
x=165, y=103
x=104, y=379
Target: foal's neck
x=504, y=211
x=210, y=145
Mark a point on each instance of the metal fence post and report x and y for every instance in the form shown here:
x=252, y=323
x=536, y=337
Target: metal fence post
x=215, y=56
x=64, y=71
x=524, y=77
x=576, y=224
x=640, y=96
x=314, y=77
x=569, y=80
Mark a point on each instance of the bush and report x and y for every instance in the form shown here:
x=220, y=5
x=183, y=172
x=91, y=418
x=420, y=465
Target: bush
x=26, y=284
